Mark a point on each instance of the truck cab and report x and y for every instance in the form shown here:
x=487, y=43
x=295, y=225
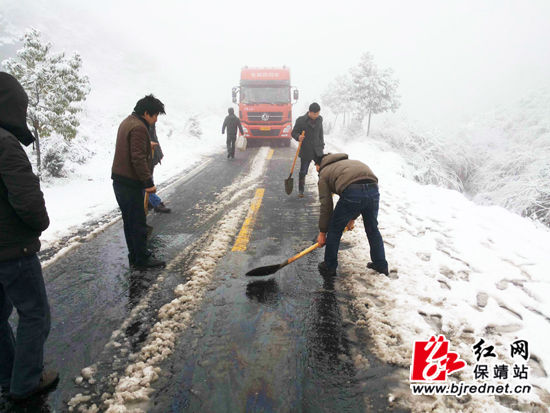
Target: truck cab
x=265, y=97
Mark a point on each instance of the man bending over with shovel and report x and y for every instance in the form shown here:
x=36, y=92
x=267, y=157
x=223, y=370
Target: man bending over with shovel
x=357, y=187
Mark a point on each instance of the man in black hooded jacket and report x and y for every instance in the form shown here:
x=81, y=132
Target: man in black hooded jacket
x=23, y=217
x=231, y=122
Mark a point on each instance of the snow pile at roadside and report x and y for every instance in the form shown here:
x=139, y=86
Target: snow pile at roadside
x=464, y=270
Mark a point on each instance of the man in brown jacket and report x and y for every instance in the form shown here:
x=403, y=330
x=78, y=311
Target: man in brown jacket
x=357, y=187
x=132, y=174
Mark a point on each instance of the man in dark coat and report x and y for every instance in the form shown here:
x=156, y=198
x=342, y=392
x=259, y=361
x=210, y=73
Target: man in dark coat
x=23, y=217
x=231, y=122
x=132, y=174
x=357, y=187
x=313, y=142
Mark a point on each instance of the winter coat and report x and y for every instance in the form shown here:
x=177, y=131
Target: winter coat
x=132, y=163
x=23, y=214
x=232, y=122
x=335, y=174
x=314, y=140
x=157, y=155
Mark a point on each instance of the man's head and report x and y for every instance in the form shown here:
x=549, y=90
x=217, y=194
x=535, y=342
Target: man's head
x=149, y=108
x=314, y=110
x=231, y=111
x=13, y=108
x=318, y=160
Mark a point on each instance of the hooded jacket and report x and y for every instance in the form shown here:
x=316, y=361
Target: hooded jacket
x=336, y=173
x=23, y=214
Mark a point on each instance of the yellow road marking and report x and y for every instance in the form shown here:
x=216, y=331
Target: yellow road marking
x=244, y=236
x=270, y=154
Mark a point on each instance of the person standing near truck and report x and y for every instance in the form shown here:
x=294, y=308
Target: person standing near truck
x=231, y=122
x=313, y=141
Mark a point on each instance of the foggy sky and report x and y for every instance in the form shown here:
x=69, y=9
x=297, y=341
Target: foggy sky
x=451, y=57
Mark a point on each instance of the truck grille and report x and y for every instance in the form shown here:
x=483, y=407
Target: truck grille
x=261, y=116
x=272, y=132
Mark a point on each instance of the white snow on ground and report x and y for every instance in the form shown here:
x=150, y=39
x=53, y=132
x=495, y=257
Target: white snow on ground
x=463, y=270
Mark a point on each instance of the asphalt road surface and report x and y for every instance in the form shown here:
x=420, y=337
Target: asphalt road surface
x=200, y=336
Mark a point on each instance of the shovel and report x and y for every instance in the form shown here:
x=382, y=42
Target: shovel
x=272, y=269
x=289, y=182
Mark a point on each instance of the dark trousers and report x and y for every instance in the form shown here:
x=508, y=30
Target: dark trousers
x=231, y=145
x=22, y=358
x=304, y=167
x=352, y=203
x=130, y=201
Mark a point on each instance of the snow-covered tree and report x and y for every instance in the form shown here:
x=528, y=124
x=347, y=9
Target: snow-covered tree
x=194, y=127
x=372, y=90
x=55, y=88
x=337, y=96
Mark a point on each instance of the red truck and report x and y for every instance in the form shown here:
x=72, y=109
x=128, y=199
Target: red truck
x=265, y=104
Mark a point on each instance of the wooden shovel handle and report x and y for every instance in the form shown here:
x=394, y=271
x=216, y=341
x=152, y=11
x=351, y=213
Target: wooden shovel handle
x=296, y=156
x=146, y=198
x=304, y=252
x=146, y=202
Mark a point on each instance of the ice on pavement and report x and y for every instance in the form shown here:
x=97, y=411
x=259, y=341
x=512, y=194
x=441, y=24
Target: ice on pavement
x=134, y=388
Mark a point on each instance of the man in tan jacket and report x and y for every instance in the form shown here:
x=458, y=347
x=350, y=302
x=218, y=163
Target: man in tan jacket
x=357, y=187
x=132, y=174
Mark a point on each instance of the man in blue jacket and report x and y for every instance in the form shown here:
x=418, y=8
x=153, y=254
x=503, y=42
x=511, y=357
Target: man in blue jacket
x=23, y=217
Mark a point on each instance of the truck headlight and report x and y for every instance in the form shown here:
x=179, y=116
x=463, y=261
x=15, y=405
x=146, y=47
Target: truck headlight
x=286, y=129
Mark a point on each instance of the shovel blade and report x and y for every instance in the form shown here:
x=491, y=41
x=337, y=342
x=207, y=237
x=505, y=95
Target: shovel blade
x=261, y=271
x=289, y=185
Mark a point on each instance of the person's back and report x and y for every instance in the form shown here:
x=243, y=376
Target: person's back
x=357, y=186
x=231, y=123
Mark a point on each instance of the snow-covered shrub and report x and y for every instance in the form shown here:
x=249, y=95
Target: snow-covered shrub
x=511, y=148
x=194, y=127
x=53, y=163
x=431, y=159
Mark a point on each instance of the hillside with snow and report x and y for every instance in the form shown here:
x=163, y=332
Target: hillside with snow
x=460, y=269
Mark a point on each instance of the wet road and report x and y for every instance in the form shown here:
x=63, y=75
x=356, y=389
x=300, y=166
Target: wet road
x=227, y=343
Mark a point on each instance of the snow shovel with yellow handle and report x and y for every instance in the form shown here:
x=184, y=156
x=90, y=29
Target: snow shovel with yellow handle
x=272, y=269
x=289, y=182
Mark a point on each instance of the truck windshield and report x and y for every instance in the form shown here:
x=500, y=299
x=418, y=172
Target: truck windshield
x=265, y=95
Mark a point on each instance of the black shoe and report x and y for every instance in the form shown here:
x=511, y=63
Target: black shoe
x=380, y=270
x=48, y=381
x=149, y=263
x=325, y=271
x=162, y=208
x=228, y=155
